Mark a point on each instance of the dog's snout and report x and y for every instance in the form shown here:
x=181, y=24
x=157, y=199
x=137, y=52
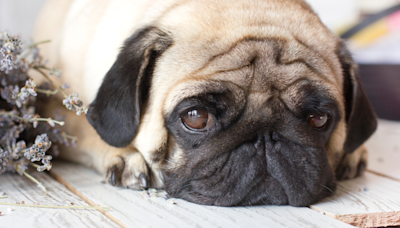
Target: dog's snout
x=269, y=138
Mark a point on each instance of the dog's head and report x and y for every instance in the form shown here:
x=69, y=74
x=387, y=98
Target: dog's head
x=251, y=103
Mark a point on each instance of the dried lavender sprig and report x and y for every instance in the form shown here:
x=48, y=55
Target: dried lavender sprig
x=62, y=137
x=40, y=42
x=33, y=120
x=9, y=47
x=37, y=152
x=30, y=50
x=72, y=138
x=55, y=206
x=72, y=102
x=47, y=92
x=54, y=71
x=31, y=177
x=14, y=65
x=19, y=97
x=38, y=69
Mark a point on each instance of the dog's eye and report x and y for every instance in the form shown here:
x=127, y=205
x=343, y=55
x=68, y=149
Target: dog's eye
x=197, y=119
x=318, y=120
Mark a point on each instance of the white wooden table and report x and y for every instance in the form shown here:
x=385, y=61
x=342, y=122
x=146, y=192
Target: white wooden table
x=372, y=200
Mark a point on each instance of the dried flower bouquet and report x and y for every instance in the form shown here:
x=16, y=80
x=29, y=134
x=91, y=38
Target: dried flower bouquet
x=23, y=140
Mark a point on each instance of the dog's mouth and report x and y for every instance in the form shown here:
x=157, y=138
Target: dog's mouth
x=263, y=172
x=267, y=191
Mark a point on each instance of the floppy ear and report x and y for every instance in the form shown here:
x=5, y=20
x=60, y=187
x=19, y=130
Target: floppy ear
x=115, y=113
x=360, y=116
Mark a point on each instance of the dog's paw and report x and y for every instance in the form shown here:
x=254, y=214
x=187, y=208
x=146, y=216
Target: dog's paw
x=353, y=165
x=127, y=170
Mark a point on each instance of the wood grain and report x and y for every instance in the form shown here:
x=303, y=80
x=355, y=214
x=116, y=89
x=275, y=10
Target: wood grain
x=367, y=201
x=384, y=149
x=131, y=209
x=20, y=188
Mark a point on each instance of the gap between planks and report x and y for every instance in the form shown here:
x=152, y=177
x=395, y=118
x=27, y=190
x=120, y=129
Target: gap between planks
x=85, y=198
x=383, y=175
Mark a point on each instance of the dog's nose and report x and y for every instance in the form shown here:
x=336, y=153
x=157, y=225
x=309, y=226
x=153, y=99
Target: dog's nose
x=268, y=137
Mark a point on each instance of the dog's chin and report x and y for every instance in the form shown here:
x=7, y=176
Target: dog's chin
x=267, y=192
x=255, y=173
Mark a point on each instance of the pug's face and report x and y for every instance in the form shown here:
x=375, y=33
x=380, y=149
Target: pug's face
x=237, y=116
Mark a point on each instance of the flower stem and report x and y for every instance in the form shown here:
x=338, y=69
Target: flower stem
x=45, y=68
x=48, y=92
x=55, y=206
x=51, y=81
x=34, y=165
x=61, y=123
x=70, y=137
x=40, y=42
x=32, y=178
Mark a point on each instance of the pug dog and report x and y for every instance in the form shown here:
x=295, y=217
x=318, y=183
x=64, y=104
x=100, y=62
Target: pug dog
x=227, y=103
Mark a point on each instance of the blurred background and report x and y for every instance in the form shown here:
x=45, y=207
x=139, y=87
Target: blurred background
x=372, y=28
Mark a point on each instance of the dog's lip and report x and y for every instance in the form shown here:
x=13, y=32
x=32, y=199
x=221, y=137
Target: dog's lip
x=247, y=199
x=223, y=200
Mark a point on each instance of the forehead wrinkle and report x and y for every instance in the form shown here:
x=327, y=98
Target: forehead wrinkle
x=304, y=71
x=268, y=76
x=243, y=58
x=309, y=66
x=328, y=63
x=282, y=70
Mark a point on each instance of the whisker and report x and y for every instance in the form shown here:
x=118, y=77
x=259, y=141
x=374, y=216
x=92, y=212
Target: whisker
x=185, y=184
x=186, y=193
x=343, y=189
x=333, y=193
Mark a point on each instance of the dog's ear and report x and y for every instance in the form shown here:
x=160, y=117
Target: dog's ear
x=115, y=113
x=360, y=116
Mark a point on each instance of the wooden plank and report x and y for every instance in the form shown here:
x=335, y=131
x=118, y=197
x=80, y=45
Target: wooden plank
x=367, y=201
x=132, y=209
x=20, y=188
x=379, y=205
x=384, y=149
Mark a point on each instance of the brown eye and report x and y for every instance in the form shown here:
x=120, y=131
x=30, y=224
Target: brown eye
x=318, y=120
x=196, y=119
